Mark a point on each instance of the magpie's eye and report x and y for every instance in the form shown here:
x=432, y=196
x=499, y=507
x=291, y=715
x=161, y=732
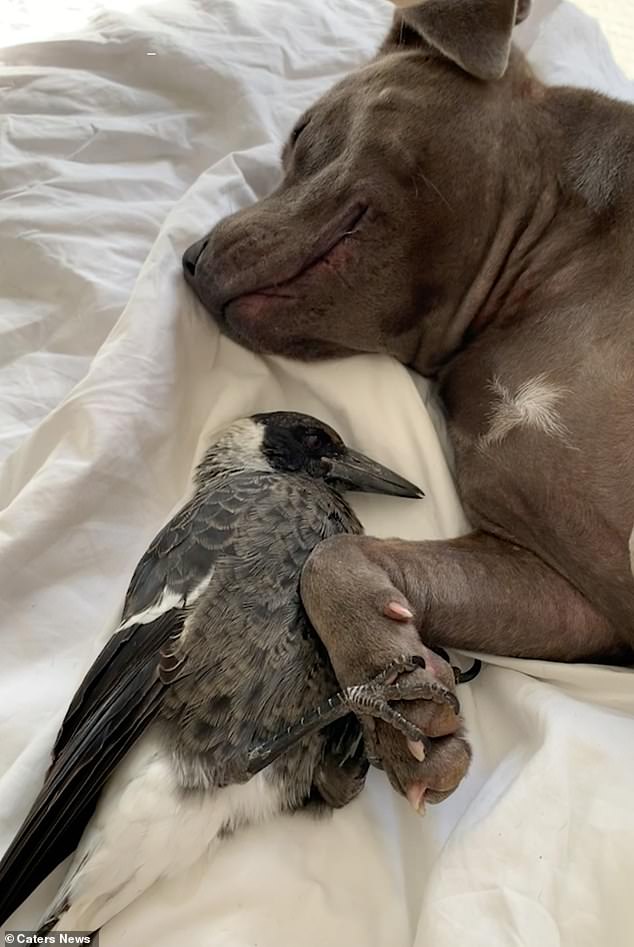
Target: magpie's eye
x=297, y=131
x=312, y=442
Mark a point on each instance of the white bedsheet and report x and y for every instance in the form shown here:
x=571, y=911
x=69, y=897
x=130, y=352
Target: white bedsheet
x=119, y=144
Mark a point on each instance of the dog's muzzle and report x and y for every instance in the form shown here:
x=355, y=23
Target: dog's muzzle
x=191, y=257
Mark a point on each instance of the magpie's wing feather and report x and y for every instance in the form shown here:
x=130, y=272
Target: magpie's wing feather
x=122, y=692
x=177, y=561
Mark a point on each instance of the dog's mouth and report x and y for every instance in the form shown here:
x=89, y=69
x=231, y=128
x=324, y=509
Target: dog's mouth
x=331, y=252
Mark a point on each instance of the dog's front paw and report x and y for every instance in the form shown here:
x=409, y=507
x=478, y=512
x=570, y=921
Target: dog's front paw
x=430, y=769
x=350, y=588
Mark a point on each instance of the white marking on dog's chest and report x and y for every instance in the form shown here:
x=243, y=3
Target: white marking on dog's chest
x=532, y=405
x=632, y=551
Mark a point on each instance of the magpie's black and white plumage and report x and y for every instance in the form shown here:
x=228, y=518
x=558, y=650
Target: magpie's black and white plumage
x=213, y=674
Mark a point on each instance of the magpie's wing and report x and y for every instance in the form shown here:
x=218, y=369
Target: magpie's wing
x=177, y=565
x=131, y=695
x=122, y=692
x=250, y=657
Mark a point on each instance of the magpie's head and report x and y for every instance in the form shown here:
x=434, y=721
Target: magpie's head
x=298, y=443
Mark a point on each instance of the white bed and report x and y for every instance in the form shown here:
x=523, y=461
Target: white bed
x=121, y=140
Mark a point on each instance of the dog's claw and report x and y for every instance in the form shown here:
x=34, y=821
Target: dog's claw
x=398, y=612
x=417, y=749
x=416, y=797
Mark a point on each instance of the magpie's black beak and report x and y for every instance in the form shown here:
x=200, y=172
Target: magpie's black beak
x=354, y=471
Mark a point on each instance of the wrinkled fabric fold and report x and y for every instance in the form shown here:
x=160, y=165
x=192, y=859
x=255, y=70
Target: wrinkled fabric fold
x=120, y=144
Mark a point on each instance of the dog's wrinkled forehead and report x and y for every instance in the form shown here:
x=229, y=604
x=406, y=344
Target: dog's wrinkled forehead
x=430, y=44
x=391, y=88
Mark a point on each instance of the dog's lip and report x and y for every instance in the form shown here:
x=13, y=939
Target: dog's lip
x=332, y=236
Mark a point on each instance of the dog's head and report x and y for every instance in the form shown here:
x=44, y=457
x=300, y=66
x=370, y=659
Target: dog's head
x=391, y=193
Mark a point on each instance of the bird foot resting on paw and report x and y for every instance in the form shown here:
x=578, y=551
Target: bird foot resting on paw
x=430, y=768
x=404, y=679
x=400, y=680
x=365, y=621
x=424, y=757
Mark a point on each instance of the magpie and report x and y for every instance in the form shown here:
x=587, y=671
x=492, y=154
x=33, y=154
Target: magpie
x=213, y=704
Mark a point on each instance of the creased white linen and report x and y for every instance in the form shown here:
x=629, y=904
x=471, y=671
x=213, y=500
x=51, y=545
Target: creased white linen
x=119, y=145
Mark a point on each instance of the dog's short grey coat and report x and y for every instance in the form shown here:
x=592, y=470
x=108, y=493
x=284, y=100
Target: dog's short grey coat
x=444, y=206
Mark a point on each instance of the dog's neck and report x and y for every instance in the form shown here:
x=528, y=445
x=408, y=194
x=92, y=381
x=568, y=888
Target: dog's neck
x=568, y=181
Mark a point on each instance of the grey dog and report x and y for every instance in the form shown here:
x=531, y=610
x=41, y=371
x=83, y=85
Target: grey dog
x=442, y=205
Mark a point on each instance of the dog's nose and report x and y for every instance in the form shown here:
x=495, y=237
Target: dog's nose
x=191, y=257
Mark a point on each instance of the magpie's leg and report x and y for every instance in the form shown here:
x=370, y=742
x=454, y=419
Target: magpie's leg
x=371, y=699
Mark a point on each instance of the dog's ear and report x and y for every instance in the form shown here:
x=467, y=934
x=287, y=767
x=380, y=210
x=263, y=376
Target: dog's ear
x=475, y=34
